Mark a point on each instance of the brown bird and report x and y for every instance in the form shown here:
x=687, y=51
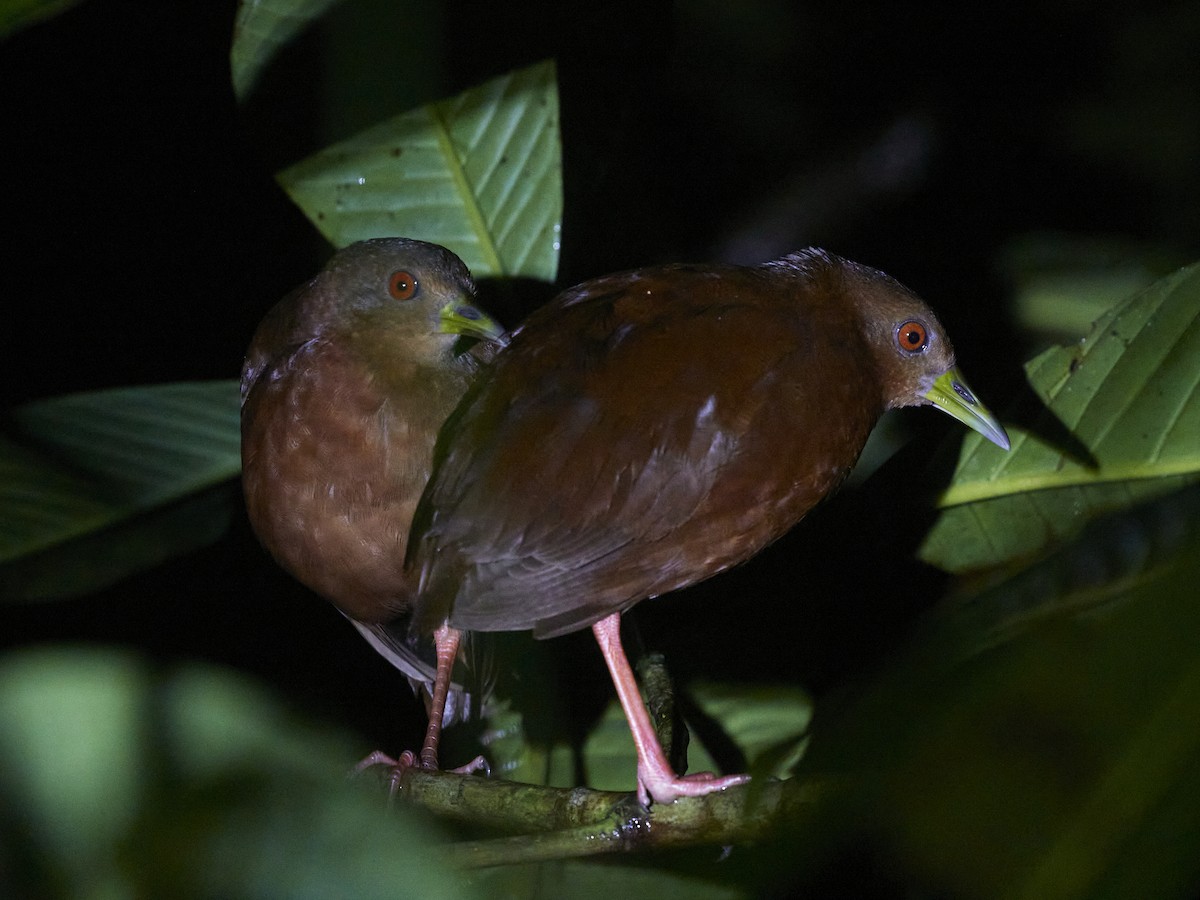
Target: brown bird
x=344, y=388
x=647, y=430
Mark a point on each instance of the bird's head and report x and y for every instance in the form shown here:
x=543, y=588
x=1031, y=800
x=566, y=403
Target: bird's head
x=913, y=355
x=404, y=287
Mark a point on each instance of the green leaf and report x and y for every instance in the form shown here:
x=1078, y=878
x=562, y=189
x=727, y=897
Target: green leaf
x=1064, y=282
x=1038, y=739
x=768, y=723
x=1129, y=395
x=16, y=15
x=515, y=757
x=261, y=29
x=126, y=781
x=94, y=486
x=480, y=173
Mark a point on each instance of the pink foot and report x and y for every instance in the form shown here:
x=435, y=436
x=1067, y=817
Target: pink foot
x=657, y=781
x=398, y=767
x=478, y=764
x=663, y=787
x=408, y=760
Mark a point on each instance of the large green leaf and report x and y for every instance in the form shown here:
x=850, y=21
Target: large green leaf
x=1040, y=739
x=1128, y=394
x=93, y=486
x=480, y=173
x=261, y=29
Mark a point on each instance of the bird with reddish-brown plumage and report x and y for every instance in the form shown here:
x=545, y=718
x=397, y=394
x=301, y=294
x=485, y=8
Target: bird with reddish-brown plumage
x=646, y=430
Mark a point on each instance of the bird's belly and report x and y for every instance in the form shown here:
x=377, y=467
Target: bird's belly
x=350, y=553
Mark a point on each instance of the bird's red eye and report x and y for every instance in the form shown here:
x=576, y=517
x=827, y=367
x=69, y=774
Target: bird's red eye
x=402, y=285
x=912, y=337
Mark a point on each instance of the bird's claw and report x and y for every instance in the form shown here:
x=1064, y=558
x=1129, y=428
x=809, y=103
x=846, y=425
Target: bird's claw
x=478, y=764
x=408, y=760
x=667, y=789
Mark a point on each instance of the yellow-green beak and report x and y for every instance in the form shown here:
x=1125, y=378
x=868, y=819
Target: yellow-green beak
x=460, y=317
x=951, y=394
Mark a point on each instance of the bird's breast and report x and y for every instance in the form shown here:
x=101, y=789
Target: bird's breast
x=334, y=461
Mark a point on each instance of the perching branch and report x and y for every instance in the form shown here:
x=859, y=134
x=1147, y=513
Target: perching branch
x=555, y=823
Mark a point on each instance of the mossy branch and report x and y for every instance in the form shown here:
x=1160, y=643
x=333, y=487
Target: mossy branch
x=541, y=823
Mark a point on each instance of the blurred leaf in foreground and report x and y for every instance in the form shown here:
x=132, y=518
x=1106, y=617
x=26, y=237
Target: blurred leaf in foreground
x=1039, y=740
x=119, y=781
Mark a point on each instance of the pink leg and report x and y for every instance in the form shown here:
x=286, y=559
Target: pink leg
x=657, y=781
x=445, y=641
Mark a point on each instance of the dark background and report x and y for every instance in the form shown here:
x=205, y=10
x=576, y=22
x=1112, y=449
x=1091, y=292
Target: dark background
x=144, y=237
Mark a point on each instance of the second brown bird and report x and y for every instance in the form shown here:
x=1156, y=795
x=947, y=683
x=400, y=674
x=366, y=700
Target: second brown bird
x=344, y=387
